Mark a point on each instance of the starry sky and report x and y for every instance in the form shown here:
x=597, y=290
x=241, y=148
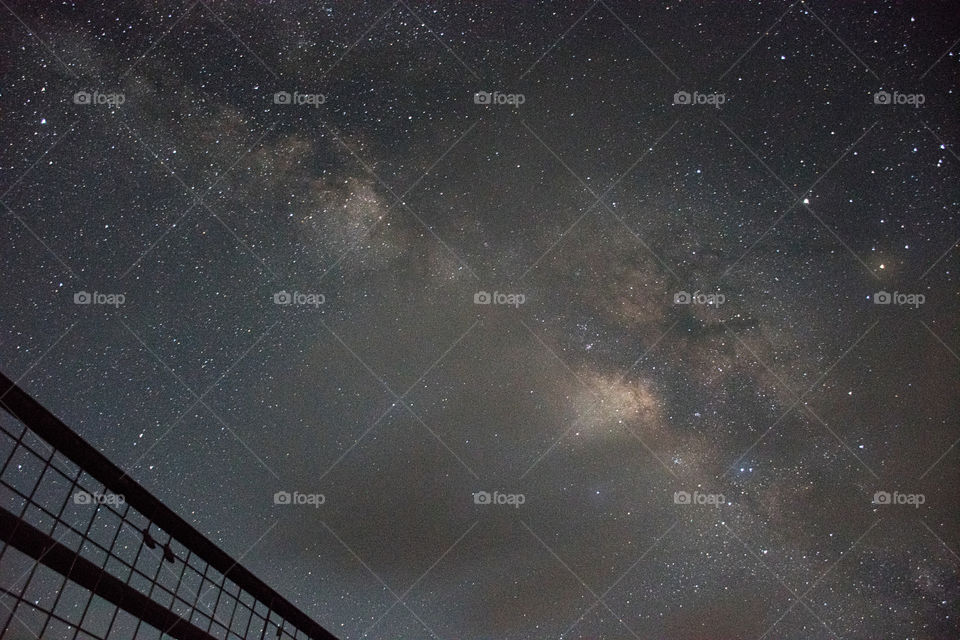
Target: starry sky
x=246, y=248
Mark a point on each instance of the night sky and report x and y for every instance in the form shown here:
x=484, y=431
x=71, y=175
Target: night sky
x=716, y=387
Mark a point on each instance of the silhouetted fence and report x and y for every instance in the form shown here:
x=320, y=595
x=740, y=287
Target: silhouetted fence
x=89, y=553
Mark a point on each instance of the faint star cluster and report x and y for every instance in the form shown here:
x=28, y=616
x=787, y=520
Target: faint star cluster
x=699, y=396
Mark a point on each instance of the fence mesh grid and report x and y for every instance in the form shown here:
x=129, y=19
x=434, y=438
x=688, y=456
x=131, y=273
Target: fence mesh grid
x=55, y=500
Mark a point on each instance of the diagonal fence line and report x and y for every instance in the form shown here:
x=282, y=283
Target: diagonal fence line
x=199, y=597
x=800, y=398
x=398, y=399
x=37, y=562
x=198, y=399
x=68, y=530
x=236, y=562
x=798, y=199
x=401, y=397
x=22, y=622
x=37, y=361
x=201, y=396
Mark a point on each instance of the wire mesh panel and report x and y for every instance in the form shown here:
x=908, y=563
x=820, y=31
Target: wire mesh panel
x=85, y=552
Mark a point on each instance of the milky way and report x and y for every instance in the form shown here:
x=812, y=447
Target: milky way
x=587, y=320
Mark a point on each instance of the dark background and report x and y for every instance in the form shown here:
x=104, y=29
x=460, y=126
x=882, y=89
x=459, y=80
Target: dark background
x=598, y=199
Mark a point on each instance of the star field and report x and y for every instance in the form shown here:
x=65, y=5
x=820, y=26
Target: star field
x=584, y=320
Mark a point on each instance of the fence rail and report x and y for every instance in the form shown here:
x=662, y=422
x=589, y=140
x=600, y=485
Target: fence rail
x=89, y=553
